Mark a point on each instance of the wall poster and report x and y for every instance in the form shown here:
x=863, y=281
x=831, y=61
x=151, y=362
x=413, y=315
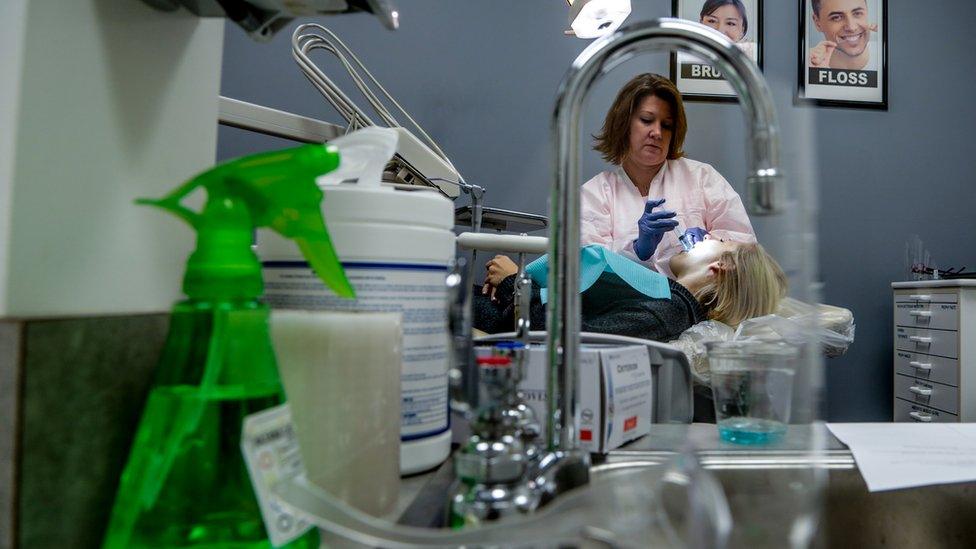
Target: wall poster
x=843, y=53
x=740, y=21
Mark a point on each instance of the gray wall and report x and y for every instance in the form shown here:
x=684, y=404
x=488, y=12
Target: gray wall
x=481, y=78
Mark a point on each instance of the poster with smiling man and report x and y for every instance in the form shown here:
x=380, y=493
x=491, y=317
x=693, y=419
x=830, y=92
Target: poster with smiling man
x=843, y=59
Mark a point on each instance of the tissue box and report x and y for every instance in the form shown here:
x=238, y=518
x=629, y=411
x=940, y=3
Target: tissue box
x=614, y=394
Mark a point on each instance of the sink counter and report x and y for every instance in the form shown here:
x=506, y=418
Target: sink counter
x=793, y=450
x=932, y=516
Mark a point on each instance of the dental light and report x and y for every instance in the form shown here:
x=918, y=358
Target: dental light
x=595, y=18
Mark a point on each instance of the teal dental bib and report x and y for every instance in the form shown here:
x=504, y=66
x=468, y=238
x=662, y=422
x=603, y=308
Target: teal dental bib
x=596, y=260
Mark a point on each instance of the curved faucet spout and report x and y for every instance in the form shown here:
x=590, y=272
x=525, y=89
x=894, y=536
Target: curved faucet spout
x=763, y=183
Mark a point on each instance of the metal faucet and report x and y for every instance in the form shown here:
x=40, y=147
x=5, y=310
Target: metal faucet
x=763, y=184
x=498, y=476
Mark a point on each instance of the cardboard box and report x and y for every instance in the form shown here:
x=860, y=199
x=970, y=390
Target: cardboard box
x=614, y=391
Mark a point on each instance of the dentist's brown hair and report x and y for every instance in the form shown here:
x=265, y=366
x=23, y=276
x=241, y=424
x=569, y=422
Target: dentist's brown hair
x=613, y=141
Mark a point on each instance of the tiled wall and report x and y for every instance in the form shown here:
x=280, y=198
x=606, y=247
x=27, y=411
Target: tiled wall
x=10, y=344
x=82, y=384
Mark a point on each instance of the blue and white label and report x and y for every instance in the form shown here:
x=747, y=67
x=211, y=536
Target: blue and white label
x=418, y=292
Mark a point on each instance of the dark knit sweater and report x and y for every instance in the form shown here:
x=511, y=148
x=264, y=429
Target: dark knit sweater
x=610, y=306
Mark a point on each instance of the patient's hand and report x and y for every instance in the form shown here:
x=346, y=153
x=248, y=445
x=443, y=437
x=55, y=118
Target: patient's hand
x=499, y=268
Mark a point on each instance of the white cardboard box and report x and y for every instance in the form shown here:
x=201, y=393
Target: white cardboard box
x=614, y=389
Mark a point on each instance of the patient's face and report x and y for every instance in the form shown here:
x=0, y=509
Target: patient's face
x=701, y=256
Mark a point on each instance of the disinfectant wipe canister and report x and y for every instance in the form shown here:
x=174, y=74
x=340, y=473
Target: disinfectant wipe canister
x=395, y=247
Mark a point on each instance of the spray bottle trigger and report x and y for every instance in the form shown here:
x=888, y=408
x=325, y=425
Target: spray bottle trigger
x=172, y=205
x=321, y=256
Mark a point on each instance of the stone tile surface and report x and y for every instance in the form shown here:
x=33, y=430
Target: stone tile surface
x=10, y=341
x=84, y=384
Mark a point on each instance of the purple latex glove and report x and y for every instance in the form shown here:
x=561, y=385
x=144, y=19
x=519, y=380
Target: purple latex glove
x=651, y=228
x=694, y=235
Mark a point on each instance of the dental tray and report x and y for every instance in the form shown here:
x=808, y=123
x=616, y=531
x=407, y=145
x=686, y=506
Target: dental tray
x=498, y=219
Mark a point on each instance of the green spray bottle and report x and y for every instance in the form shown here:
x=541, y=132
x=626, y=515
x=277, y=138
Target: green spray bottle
x=185, y=483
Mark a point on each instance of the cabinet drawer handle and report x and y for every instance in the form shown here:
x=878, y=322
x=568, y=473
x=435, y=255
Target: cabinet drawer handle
x=919, y=416
x=920, y=339
x=920, y=297
x=923, y=314
x=924, y=391
x=920, y=365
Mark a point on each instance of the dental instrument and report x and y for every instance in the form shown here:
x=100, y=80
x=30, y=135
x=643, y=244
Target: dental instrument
x=684, y=239
x=418, y=161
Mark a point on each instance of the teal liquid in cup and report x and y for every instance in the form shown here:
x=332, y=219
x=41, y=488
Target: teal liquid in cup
x=752, y=386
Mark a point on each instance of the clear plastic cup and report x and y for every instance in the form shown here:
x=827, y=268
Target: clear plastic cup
x=341, y=373
x=752, y=384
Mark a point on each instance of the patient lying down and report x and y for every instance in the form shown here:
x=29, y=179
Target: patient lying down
x=725, y=281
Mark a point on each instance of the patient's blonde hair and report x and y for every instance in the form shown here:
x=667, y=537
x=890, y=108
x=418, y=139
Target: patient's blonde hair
x=750, y=284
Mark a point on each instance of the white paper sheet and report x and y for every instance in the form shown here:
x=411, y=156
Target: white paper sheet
x=904, y=455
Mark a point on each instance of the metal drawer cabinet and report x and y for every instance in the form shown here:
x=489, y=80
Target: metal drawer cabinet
x=942, y=343
x=910, y=411
x=934, y=336
x=934, y=395
x=928, y=367
x=941, y=316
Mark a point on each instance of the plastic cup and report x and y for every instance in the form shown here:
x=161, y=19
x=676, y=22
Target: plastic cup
x=752, y=384
x=341, y=373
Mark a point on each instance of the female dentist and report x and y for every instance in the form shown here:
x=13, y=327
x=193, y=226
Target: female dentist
x=623, y=209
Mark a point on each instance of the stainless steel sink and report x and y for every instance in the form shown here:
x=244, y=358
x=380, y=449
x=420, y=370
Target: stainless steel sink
x=758, y=484
x=766, y=490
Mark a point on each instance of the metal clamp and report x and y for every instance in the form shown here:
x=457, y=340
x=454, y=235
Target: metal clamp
x=923, y=391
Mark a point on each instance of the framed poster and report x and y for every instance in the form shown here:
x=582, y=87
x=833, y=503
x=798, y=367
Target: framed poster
x=843, y=53
x=740, y=20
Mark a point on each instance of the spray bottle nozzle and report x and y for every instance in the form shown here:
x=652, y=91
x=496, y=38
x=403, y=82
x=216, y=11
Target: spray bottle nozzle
x=274, y=189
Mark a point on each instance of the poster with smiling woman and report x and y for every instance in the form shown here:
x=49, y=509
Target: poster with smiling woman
x=740, y=21
x=843, y=53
